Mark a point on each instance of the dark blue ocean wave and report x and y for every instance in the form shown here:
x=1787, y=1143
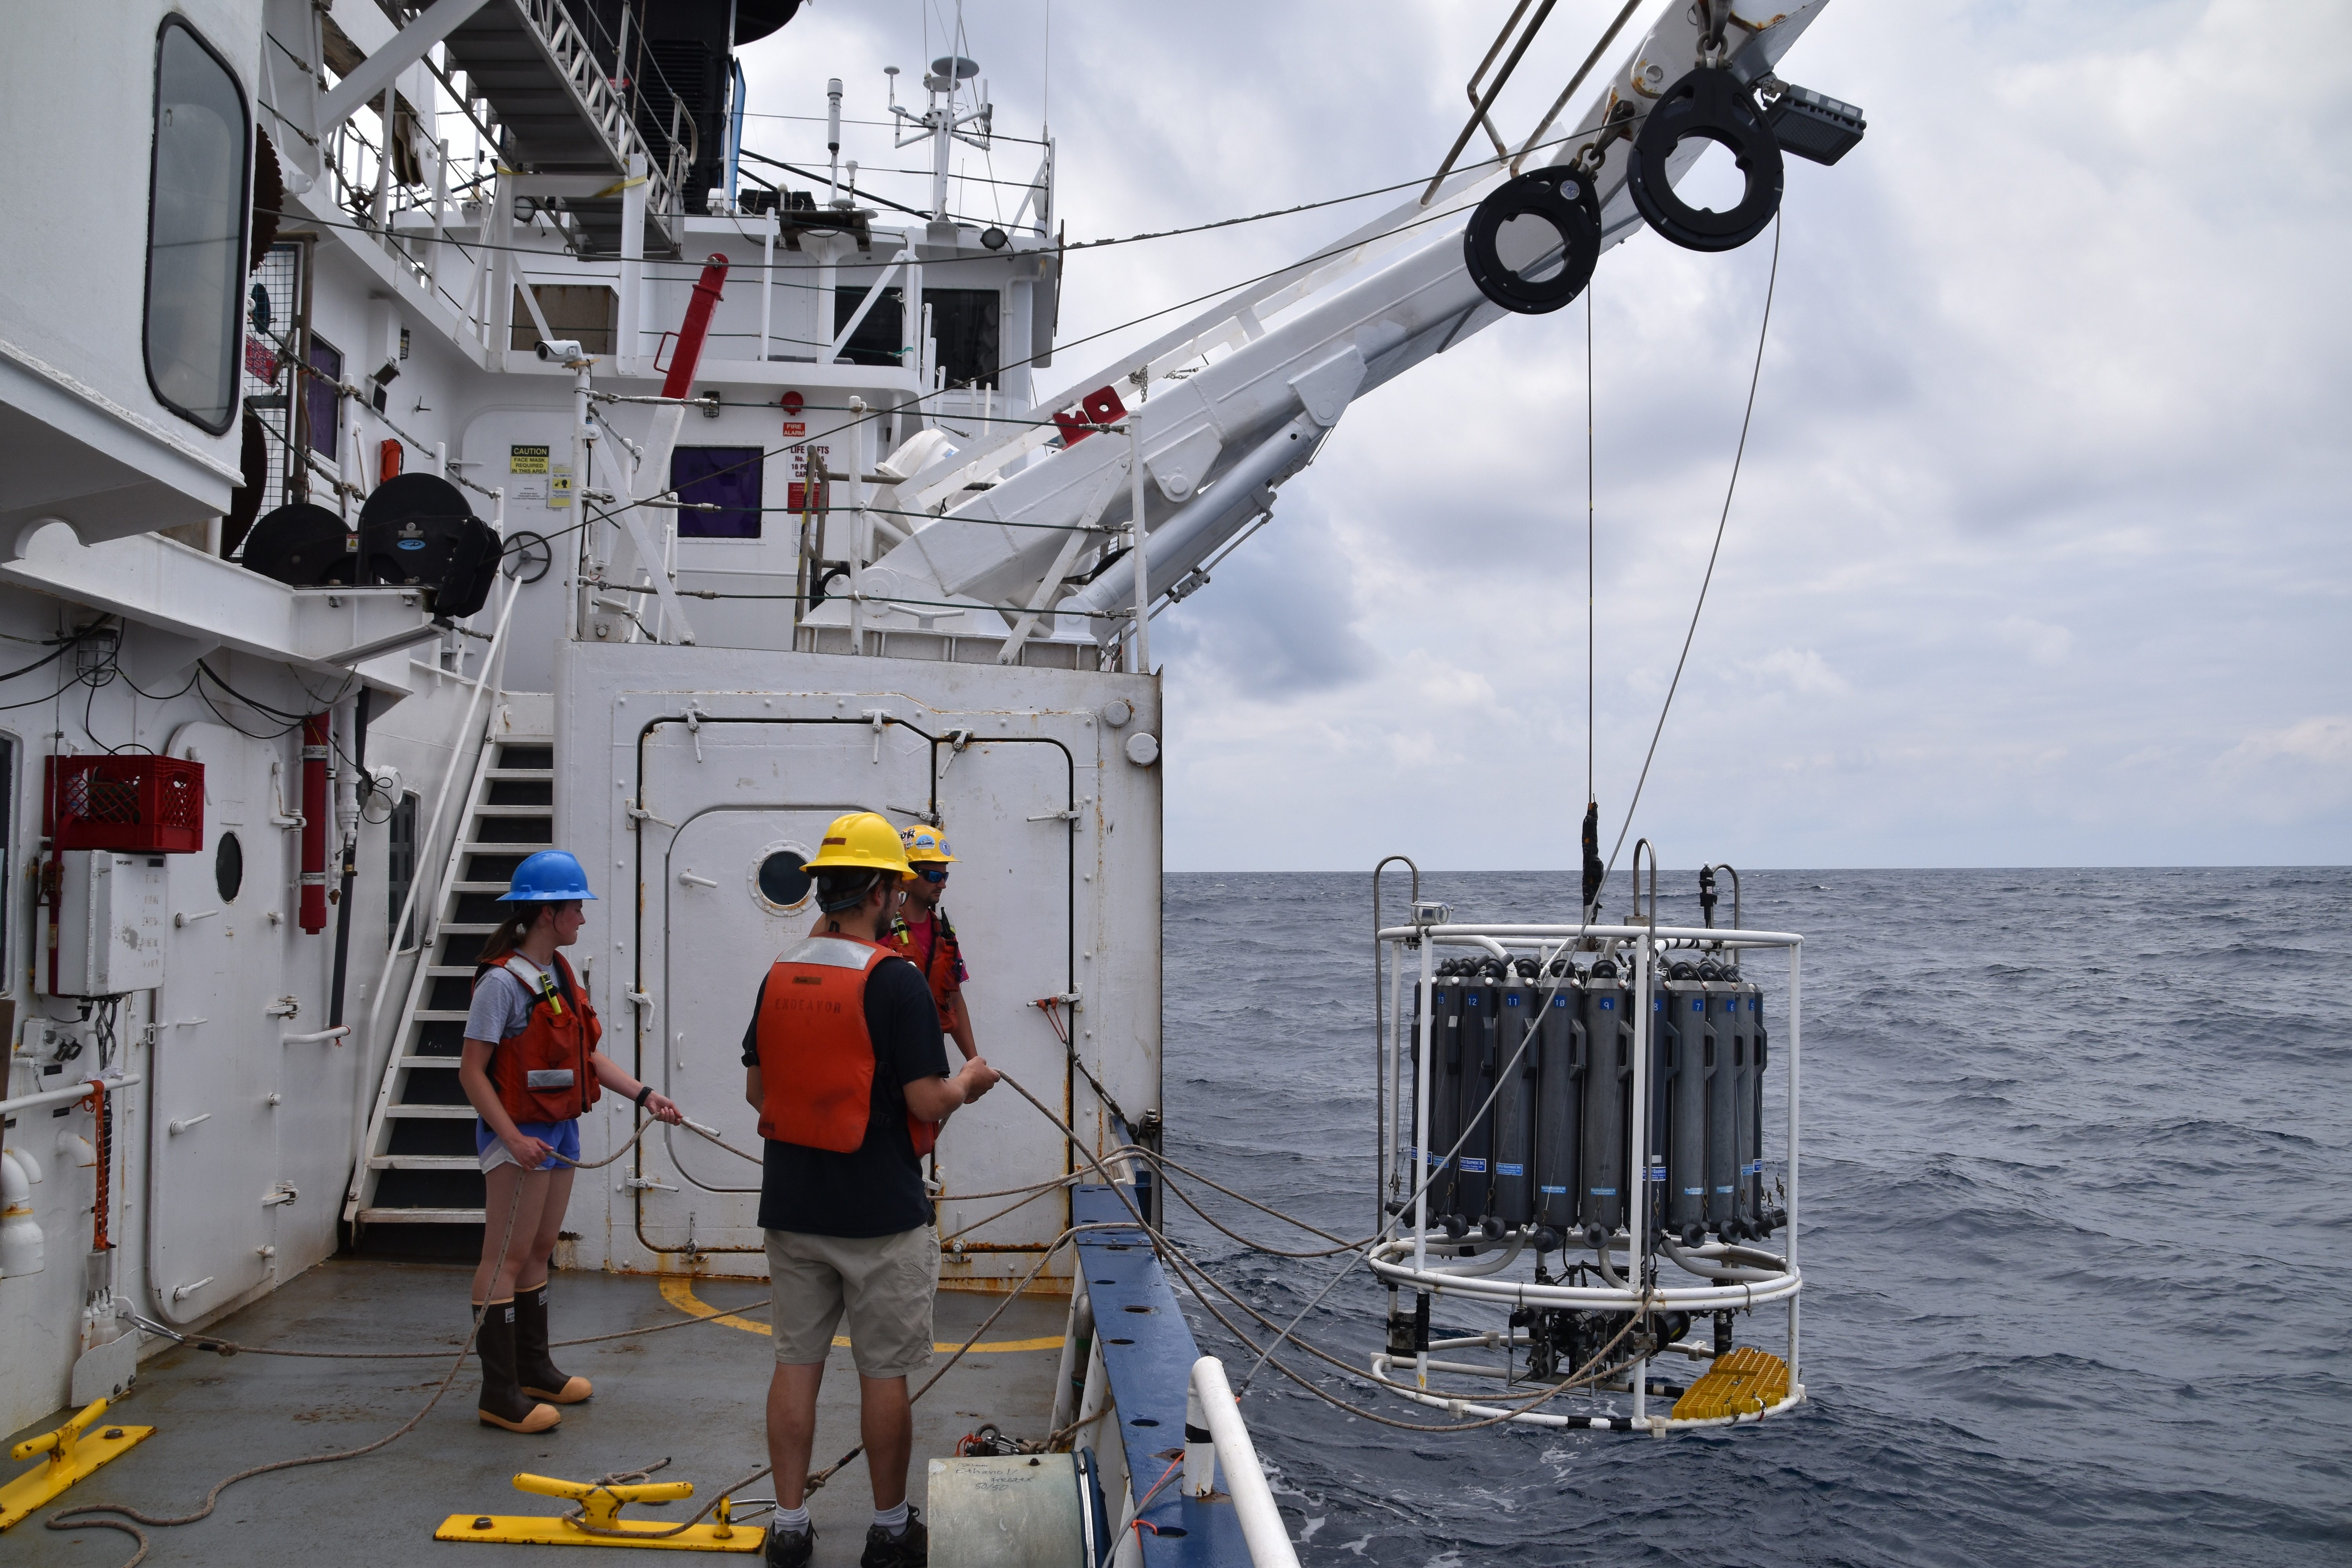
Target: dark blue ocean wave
x=2077, y=1190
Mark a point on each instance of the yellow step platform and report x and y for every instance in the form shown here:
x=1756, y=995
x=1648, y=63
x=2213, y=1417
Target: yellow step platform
x=1742, y=1382
x=602, y=1509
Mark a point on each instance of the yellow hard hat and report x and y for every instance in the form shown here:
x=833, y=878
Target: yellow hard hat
x=925, y=843
x=861, y=840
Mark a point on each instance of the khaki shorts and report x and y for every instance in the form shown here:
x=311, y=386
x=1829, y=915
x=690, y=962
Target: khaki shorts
x=886, y=1283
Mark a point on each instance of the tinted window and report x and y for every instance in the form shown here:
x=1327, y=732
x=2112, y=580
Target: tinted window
x=784, y=880
x=964, y=324
x=880, y=337
x=400, y=866
x=228, y=867
x=195, y=230
x=723, y=476
x=322, y=403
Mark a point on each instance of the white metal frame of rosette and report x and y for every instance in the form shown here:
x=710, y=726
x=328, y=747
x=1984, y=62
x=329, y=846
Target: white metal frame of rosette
x=1736, y=1278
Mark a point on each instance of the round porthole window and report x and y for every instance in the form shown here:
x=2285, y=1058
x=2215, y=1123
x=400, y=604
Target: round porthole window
x=781, y=878
x=228, y=867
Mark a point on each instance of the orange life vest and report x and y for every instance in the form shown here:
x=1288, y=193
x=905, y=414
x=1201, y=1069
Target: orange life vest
x=945, y=959
x=816, y=1058
x=543, y=1073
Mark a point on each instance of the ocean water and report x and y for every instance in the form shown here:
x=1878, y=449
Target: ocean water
x=2076, y=1227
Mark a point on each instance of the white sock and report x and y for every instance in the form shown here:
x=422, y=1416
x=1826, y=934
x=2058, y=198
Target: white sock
x=893, y=1520
x=795, y=1520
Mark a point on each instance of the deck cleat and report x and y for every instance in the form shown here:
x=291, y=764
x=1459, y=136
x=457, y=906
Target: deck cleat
x=71, y=1454
x=599, y=1521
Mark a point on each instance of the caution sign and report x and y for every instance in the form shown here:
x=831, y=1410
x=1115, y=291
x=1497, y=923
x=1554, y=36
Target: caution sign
x=526, y=460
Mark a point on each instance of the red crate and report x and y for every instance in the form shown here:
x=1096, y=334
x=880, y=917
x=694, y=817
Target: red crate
x=155, y=804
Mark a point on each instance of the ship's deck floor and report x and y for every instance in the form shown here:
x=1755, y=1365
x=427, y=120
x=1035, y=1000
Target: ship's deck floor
x=693, y=1395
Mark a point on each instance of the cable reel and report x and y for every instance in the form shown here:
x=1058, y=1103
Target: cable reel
x=1708, y=104
x=1552, y=270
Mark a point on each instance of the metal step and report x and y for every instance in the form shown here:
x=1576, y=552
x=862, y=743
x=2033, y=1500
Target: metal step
x=424, y=1162
x=430, y=1112
x=442, y=1064
x=545, y=811
x=556, y=101
x=525, y=775
x=420, y=1217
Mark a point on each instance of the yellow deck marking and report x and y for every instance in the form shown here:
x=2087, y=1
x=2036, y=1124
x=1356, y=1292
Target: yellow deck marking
x=678, y=1291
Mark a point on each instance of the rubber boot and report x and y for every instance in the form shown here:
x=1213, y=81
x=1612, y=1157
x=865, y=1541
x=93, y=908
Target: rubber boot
x=533, y=1370
x=502, y=1403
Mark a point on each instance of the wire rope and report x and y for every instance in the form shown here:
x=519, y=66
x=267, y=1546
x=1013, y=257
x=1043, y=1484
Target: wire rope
x=1755, y=375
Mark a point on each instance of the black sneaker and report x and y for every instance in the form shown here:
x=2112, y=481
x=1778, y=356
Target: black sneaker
x=790, y=1548
x=910, y=1548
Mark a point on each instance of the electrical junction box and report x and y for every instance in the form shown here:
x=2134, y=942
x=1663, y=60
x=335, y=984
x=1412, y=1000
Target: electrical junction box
x=109, y=925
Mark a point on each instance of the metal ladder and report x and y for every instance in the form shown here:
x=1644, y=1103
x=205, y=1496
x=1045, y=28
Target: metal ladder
x=419, y=1166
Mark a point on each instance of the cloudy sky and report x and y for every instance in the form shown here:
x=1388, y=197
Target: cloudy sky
x=2039, y=555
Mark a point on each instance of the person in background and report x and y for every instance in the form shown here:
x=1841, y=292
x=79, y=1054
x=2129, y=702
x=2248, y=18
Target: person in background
x=530, y=1068
x=925, y=937
x=845, y=1063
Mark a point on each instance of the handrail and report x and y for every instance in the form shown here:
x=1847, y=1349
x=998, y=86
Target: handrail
x=79, y=1090
x=1209, y=1405
x=574, y=59
x=493, y=664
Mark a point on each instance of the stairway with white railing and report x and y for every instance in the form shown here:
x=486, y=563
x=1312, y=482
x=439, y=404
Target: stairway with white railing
x=418, y=1166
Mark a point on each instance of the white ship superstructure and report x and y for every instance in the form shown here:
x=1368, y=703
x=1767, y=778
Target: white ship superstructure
x=587, y=478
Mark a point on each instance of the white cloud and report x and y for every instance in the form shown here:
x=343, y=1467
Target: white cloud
x=2039, y=553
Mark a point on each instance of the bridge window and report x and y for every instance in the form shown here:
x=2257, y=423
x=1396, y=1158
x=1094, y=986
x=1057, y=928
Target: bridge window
x=195, y=230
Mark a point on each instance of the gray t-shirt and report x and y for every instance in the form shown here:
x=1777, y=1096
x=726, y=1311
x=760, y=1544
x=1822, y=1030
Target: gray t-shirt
x=501, y=1008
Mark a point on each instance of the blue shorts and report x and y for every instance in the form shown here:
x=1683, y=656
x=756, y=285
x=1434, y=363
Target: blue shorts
x=563, y=1137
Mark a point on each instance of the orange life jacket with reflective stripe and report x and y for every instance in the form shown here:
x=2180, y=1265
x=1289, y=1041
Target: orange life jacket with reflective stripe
x=816, y=1058
x=543, y=1074
x=945, y=959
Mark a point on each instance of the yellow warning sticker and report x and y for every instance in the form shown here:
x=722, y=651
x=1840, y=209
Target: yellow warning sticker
x=526, y=460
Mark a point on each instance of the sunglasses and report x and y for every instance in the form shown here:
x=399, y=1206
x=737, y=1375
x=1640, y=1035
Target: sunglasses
x=930, y=875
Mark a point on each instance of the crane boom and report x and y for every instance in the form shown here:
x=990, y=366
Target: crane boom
x=1286, y=357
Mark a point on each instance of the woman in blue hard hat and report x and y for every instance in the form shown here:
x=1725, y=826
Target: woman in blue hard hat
x=530, y=1068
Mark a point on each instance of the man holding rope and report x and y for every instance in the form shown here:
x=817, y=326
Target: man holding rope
x=846, y=1066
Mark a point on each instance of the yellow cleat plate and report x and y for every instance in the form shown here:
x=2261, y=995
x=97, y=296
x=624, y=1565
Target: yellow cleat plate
x=523, y=1531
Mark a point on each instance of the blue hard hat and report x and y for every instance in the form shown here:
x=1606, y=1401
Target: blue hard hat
x=552, y=876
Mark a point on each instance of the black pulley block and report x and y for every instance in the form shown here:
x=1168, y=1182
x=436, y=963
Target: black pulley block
x=1558, y=198
x=1711, y=105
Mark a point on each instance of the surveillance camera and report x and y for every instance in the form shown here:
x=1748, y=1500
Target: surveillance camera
x=562, y=350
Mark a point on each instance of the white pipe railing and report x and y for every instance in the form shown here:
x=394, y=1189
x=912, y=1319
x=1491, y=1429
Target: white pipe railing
x=49, y=1097
x=493, y=669
x=1209, y=1406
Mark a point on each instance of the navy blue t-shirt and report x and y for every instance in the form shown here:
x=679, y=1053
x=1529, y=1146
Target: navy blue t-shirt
x=878, y=1189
